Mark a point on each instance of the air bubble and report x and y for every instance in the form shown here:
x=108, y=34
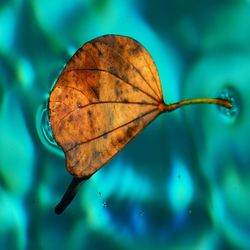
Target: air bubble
x=44, y=130
x=231, y=95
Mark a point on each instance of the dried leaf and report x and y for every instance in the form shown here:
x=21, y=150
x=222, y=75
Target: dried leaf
x=107, y=93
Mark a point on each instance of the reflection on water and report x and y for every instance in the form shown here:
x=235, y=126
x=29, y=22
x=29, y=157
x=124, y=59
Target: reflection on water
x=183, y=183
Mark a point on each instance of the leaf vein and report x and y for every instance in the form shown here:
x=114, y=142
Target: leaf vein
x=112, y=130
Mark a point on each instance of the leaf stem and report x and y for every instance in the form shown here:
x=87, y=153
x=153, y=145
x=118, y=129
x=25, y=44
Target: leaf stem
x=218, y=101
x=69, y=195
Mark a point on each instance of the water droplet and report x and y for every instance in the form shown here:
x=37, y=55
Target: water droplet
x=231, y=95
x=44, y=130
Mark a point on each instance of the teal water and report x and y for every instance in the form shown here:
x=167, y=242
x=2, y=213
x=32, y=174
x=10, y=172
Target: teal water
x=183, y=183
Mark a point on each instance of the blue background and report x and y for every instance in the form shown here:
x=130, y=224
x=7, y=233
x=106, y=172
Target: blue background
x=183, y=183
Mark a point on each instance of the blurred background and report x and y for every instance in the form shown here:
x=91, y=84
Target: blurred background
x=183, y=183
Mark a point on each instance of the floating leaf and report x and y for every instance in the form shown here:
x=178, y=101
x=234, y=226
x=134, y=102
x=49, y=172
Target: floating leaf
x=107, y=93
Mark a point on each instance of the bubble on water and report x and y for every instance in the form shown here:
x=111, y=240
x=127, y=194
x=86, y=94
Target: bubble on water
x=231, y=95
x=44, y=130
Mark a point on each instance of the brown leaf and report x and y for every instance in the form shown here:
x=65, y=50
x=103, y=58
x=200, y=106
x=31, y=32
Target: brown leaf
x=107, y=93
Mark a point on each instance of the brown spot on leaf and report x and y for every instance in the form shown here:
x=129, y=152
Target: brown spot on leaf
x=96, y=154
x=71, y=118
x=90, y=114
x=124, y=78
x=130, y=131
x=135, y=50
x=118, y=88
x=96, y=88
x=125, y=100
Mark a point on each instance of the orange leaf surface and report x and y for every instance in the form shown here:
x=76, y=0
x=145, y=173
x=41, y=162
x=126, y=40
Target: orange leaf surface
x=106, y=94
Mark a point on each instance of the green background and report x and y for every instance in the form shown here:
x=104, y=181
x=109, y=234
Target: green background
x=183, y=183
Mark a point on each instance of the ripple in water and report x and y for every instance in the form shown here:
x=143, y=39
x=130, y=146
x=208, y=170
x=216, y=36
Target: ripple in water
x=233, y=96
x=44, y=130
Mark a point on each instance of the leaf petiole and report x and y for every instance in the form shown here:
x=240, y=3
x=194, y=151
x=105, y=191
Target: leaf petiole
x=173, y=106
x=68, y=195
